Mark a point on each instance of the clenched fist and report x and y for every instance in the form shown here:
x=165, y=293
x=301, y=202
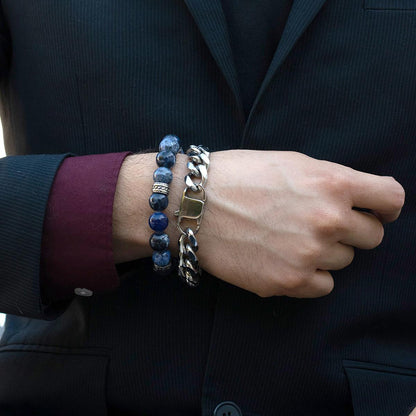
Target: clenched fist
x=276, y=222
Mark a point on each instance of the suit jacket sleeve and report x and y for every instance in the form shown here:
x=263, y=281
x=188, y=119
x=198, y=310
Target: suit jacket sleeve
x=5, y=47
x=25, y=182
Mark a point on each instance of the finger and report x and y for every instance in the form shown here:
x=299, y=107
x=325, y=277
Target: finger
x=381, y=193
x=320, y=283
x=364, y=231
x=337, y=257
x=385, y=217
x=413, y=412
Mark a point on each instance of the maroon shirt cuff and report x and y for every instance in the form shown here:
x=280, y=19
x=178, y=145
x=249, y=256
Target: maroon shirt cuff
x=77, y=244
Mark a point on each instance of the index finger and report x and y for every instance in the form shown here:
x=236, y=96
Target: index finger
x=381, y=194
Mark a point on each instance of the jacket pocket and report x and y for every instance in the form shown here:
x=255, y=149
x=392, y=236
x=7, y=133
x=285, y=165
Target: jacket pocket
x=390, y=4
x=381, y=390
x=42, y=380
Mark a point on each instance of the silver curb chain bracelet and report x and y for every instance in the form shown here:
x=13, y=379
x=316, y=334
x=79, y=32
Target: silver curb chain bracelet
x=192, y=208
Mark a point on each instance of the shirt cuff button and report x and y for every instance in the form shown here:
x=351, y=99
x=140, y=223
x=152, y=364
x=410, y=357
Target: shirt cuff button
x=83, y=292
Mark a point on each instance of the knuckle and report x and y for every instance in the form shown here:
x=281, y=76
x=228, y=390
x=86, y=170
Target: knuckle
x=335, y=178
x=294, y=282
x=310, y=253
x=328, y=222
x=341, y=178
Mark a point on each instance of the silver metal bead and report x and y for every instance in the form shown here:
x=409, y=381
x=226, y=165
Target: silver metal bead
x=157, y=268
x=160, y=188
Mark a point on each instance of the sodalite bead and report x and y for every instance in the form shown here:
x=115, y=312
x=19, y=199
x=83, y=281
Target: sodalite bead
x=161, y=258
x=158, y=202
x=158, y=221
x=170, y=142
x=166, y=158
x=159, y=242
x=162, y=175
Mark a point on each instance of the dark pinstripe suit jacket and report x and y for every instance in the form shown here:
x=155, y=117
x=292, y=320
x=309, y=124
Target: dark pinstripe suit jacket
x=89, y=76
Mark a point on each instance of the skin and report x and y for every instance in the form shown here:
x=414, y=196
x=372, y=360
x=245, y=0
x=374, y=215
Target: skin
x=275, y=223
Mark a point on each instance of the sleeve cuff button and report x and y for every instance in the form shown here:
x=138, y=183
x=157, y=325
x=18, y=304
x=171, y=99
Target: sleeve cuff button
x=83, y=292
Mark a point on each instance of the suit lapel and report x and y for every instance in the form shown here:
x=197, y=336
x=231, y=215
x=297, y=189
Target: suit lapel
x=210, y=19
x=300, y=17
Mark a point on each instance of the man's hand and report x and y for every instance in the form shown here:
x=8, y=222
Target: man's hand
x=276, y=222
x=413, y=412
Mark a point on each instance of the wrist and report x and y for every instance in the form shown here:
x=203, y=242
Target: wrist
x=131, y=209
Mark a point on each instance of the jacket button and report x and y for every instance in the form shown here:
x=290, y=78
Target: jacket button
x=227, y=409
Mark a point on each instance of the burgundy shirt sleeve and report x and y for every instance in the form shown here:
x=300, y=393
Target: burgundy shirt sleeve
x=77, y=239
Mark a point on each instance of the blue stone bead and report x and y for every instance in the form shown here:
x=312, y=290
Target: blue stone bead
x=158, y=202
x=161, y=258
x=158, y=221
x=170, y=142
x=166, y=158
x=162, y=175
x=159, y=242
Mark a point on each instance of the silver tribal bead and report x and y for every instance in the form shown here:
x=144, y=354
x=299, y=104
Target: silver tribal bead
x=160, y=188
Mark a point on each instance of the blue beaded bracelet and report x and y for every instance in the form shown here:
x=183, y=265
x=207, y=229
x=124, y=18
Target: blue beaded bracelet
x=158, y=201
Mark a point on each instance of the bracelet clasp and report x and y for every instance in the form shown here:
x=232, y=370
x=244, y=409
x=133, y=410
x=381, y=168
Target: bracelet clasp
x=191, y=208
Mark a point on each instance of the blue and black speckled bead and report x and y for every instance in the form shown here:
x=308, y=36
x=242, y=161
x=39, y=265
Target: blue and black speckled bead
x=158, y=202
x=159, y=241
x=170, y=142
x=166, y=158
x=158, y=221
x=161, y=258
x=162, y=174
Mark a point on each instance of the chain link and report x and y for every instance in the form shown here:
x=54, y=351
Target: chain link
x=192, y=208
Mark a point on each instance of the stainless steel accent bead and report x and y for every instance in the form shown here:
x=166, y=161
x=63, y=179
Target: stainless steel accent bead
x=162, y=268
x=160, y=188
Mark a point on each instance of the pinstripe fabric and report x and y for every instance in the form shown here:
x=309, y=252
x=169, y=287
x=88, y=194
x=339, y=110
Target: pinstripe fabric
x=94, y=77
x=26, y=181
